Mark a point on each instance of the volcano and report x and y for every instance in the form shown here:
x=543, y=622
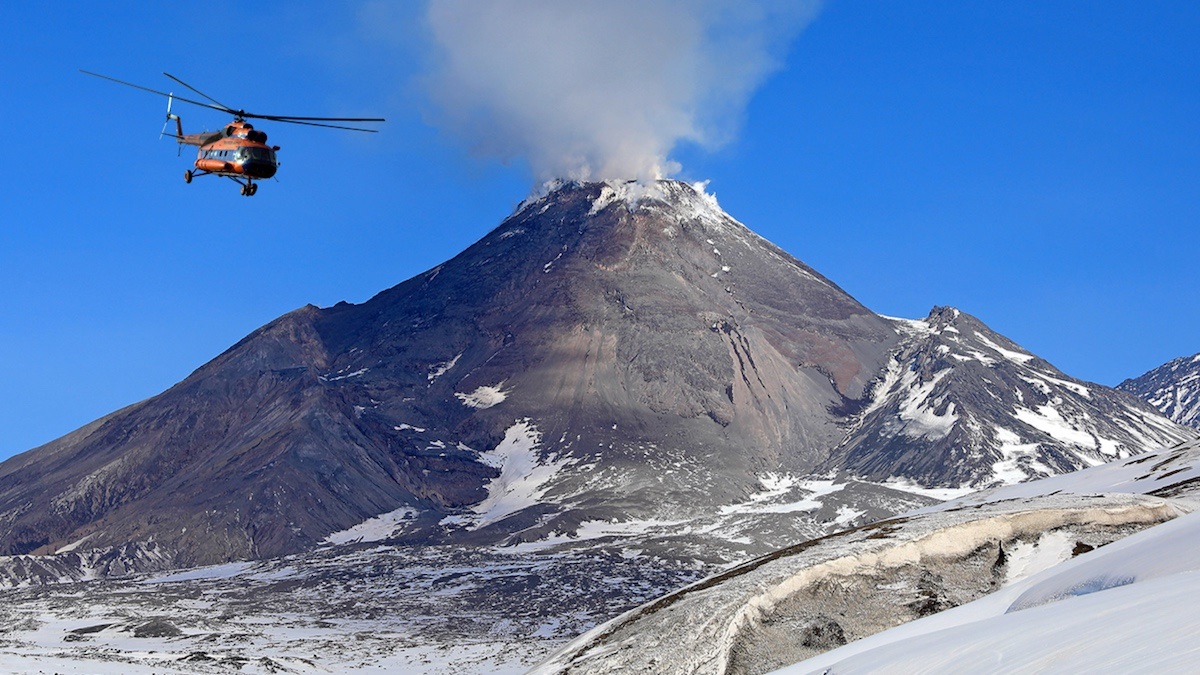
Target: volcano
x=613, y=356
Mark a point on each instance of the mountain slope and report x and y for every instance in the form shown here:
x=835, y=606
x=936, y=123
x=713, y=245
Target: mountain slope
x=1173, y=388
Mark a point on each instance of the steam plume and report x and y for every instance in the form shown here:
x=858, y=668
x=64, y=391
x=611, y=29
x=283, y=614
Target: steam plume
x=602, y=89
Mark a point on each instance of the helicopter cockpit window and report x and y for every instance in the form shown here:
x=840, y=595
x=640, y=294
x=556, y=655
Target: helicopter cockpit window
x=262, y=154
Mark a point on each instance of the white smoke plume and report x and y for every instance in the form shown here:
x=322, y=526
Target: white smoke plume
x=602, y=89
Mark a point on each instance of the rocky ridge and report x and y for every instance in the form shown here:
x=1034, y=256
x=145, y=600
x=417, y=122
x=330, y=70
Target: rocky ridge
x=1173, y=388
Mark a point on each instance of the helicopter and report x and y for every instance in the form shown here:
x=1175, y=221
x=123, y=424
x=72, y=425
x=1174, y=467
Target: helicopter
x=237, y=151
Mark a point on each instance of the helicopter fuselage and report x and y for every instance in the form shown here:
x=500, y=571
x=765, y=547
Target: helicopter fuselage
x=238, y=151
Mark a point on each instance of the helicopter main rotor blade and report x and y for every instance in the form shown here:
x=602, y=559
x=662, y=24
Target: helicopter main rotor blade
x=161, y=93
x=314, y=124
x=290, y=119
x=294, y=118
x=285, y=118
x=198, y=91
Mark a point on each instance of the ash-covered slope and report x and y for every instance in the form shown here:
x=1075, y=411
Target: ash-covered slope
x=1173, y=388
x=961, y=405
x=597, y=356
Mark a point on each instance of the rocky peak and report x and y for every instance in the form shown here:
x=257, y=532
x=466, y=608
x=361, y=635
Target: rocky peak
x=1173, y=388
x=961, y=405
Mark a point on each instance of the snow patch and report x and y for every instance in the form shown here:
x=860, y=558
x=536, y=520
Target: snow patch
x=378, y=528
x=607, y=196
x=1029, y=558
x=847, y=515
x=441, y=368
x=1043, y=381
x=483, y=397
x=941, y=493
x=73, y=545
x=778, y=486
x=1015, y=458
x=1016, y=357
x=524, y=476
x=920, y=412
x=1050, y=421
x=357, y=373
x=225, y=571
x=598, y=529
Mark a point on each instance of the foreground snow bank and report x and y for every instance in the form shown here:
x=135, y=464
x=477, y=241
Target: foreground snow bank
x=1127, y=607
x=819, y=594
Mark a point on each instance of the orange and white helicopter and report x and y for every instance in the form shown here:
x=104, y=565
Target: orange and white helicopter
x=238, y=151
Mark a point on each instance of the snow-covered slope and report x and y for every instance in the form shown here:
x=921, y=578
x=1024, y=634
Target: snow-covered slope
x=1173, y=388
x=1129, y=607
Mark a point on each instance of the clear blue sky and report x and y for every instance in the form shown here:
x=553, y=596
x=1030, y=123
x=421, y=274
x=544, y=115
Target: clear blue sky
x=1036, y=164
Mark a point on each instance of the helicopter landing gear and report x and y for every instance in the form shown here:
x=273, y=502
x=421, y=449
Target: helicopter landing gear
x=187, y=176
x=249, y=189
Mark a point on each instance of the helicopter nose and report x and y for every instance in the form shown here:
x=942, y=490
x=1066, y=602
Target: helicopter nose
x=260, y=169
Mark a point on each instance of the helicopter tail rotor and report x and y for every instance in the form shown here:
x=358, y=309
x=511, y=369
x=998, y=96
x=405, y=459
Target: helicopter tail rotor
x=178, y=136
x=170, y=100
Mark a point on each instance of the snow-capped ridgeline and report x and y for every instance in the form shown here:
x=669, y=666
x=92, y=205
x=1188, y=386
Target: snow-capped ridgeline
x=630, y=194
x=1170, y=472
x=998, y=414
x=1173, y=388
x=679, y=204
